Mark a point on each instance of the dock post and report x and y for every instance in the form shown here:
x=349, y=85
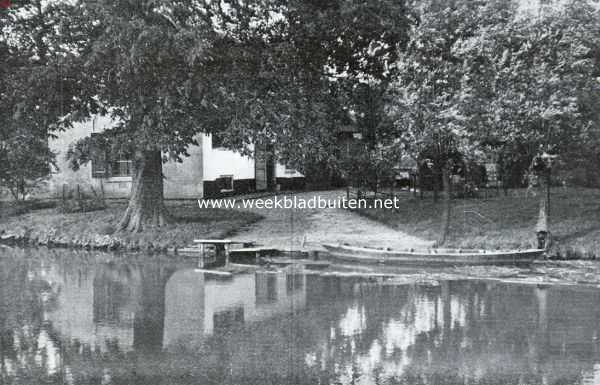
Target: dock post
x=226, y=247
x=201, y=262
x=201, y=257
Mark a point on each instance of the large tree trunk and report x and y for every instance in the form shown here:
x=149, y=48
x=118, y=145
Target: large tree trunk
x=146, y=205
x=446, y=202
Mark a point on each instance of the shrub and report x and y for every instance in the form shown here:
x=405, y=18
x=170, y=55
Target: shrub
x=78, y=201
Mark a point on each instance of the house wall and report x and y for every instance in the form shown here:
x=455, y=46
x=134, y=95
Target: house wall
x=288, y=179
x=193, y=178
x=64, y=175
x=218, y=162
x=182, y=180
x=222, y=162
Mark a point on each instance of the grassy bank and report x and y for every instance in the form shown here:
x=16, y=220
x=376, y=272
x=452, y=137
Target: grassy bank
x=96, y=229
x=505, y=221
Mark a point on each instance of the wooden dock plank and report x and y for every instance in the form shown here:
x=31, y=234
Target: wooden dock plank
x=215, y=241
x=215, y=272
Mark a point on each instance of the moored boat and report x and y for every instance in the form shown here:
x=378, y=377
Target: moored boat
x=433, y=257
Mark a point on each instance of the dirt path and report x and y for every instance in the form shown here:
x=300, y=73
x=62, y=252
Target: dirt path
x=309, y=228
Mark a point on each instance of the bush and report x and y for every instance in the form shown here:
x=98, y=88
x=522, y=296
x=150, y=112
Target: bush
x=77, y=201
x=23, y=207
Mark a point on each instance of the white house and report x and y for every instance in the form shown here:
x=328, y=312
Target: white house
x=209, y=171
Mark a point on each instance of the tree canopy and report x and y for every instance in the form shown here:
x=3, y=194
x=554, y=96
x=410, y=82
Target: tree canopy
x=36, y=93
x=252, y=74
x=431, y=78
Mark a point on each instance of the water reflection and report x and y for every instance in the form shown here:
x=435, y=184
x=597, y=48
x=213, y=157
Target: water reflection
x=198, y=306
x=76, y=319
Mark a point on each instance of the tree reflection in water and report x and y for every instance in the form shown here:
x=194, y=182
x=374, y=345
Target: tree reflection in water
x=78, y=318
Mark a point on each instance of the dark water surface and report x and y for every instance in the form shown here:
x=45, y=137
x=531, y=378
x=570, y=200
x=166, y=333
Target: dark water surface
x=77, y=318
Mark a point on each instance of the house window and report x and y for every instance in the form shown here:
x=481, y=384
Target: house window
x=106, y=165
x=225, y=183
x=99, y=164
x=122, y=166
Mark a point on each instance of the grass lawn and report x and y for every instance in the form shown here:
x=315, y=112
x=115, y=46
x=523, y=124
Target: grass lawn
x=97, y=226
x=504, y=221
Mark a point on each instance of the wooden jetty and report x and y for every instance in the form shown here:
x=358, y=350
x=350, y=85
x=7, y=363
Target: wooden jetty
x=217, y=254
x=213, y=251
x=210, y=251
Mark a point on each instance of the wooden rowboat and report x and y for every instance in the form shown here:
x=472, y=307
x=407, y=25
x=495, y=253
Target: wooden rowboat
x=433, y=257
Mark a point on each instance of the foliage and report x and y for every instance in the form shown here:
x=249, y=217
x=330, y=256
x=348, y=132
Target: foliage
x=25, y=162
x=484, y=76
x=321, y=60
x=249, y=73
x=8, y=209
x=532, y=78
x=77, y=200
x=35, y=91
x=429, y=98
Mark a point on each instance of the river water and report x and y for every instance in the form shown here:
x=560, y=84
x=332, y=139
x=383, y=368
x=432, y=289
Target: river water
x=83, y=318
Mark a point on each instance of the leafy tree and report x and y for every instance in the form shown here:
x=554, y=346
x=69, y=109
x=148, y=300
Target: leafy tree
x=26, y=162
x=377, y=154
x=540, y=83
x=321, y=56
x=481, y=75
x=429, y=92
x=157, y=67
x=35, y=92
x=537, y=74
x=254, y=74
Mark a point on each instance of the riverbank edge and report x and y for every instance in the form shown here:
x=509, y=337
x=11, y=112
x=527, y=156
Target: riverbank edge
x=52, y=238
x=80, y=234
x=32, y=238
x=556, y=251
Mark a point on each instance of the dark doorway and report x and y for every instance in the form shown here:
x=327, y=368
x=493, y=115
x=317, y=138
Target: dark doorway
x=264, y=168
x=270, y=164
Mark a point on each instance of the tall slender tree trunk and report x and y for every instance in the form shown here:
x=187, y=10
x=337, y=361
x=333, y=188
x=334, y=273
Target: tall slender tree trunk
x=146, y=205
x=446, y=204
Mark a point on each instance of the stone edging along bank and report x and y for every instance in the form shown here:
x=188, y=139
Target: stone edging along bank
x=93, y=242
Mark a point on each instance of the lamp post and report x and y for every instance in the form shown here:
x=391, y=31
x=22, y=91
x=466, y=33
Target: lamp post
x=548, y=160
x=542, y=166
